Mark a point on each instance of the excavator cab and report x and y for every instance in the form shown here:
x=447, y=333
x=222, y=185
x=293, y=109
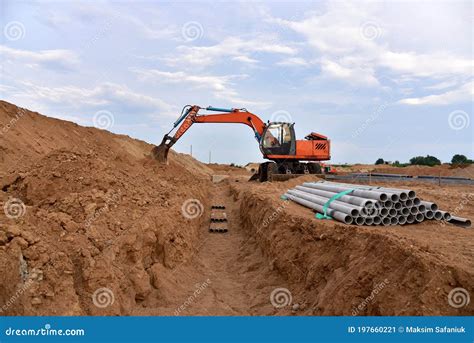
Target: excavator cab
x=278, y=139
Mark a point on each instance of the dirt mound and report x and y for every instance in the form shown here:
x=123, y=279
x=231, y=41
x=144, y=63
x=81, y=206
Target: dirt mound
x=88, y=212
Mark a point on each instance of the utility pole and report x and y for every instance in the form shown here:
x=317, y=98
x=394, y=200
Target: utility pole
x=191, y=150
x=209, y=156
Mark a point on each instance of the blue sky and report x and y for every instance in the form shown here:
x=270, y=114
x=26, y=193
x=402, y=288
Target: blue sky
x=380, y=79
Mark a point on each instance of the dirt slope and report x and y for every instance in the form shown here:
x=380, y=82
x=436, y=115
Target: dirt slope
x=97, y=213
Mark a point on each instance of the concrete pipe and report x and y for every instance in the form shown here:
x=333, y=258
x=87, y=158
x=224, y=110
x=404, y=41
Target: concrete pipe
x=336, y=205
x=345, y=198
x=386, y=221
x=404, y=211
x=392, y=212
x=377, y=220
x=384, y=212
x=463, y=222
x=419, y=217
x=416, y=201
x=438, y=215
x=388, y=204
x=429, y=205
x=342, y=217
x=402, y=220
x=360, y=220
x=410, y=193
x=414, y=210
x=421, y=208
x=410, y=219
x=393, y=221
x=446, y=215
x=429, y=214
x=397, y=205
x=408, y=203
x=393, y=196
x=369, y=220
x=357, y=192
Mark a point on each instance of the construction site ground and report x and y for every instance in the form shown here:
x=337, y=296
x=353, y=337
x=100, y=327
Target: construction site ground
x=100, y=214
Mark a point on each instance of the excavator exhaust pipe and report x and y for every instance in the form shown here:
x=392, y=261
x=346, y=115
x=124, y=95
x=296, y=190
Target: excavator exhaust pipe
x=160, y=152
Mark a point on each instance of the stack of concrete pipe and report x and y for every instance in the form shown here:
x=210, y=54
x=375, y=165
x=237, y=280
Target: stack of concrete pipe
x=369, y=205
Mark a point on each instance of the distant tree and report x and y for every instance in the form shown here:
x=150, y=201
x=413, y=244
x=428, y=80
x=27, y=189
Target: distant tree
x=425, y=161
x=396, y=163
x=380, y=161
x=459, y=159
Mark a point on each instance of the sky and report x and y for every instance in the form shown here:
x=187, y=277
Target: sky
x=380, y=79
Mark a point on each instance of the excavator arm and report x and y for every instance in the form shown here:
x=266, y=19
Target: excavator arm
x=190, y=115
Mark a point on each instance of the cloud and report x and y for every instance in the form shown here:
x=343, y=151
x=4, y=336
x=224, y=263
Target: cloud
x=462, y=94
x=236, y=48
x=221, y=86
x=111, y=96
x=355, y=75
x=59, y=59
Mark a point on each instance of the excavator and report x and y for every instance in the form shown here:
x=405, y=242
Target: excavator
x=276, y=140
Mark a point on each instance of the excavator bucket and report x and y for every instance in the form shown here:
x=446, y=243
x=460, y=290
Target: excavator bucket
x=160, y=152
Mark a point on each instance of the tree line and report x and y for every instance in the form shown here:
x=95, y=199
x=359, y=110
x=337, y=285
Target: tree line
x=428, y=160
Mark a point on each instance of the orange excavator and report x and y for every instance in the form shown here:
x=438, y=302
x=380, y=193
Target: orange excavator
x=276, y=140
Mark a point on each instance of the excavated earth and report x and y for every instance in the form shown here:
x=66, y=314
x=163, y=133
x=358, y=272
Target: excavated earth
x=90, y=225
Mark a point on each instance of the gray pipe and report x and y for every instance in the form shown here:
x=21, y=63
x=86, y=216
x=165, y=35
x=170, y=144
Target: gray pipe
x=408, y=203
x=336, y=205
x=446, y=215
x=416, y=201
x=397, y=205
x=377, y=220
x=369, y=220
x=393, y=221
x=421, y=208
x=392, y=212
x=357, y=192
x=419, y=217
x=410, y=219
x=402, y=220
x=414, y=210
x=430, y=205
x=408, y=192
x=438, y=215
x=459, y=221
x=429, y=214
x=360, y=220
x=386, y=221
x=404, y=211
x=342, y=217
x=388, y=204
x=384, y=212
x=345, y=198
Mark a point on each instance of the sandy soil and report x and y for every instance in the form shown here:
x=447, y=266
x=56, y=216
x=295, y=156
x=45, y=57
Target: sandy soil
x=98, y=228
